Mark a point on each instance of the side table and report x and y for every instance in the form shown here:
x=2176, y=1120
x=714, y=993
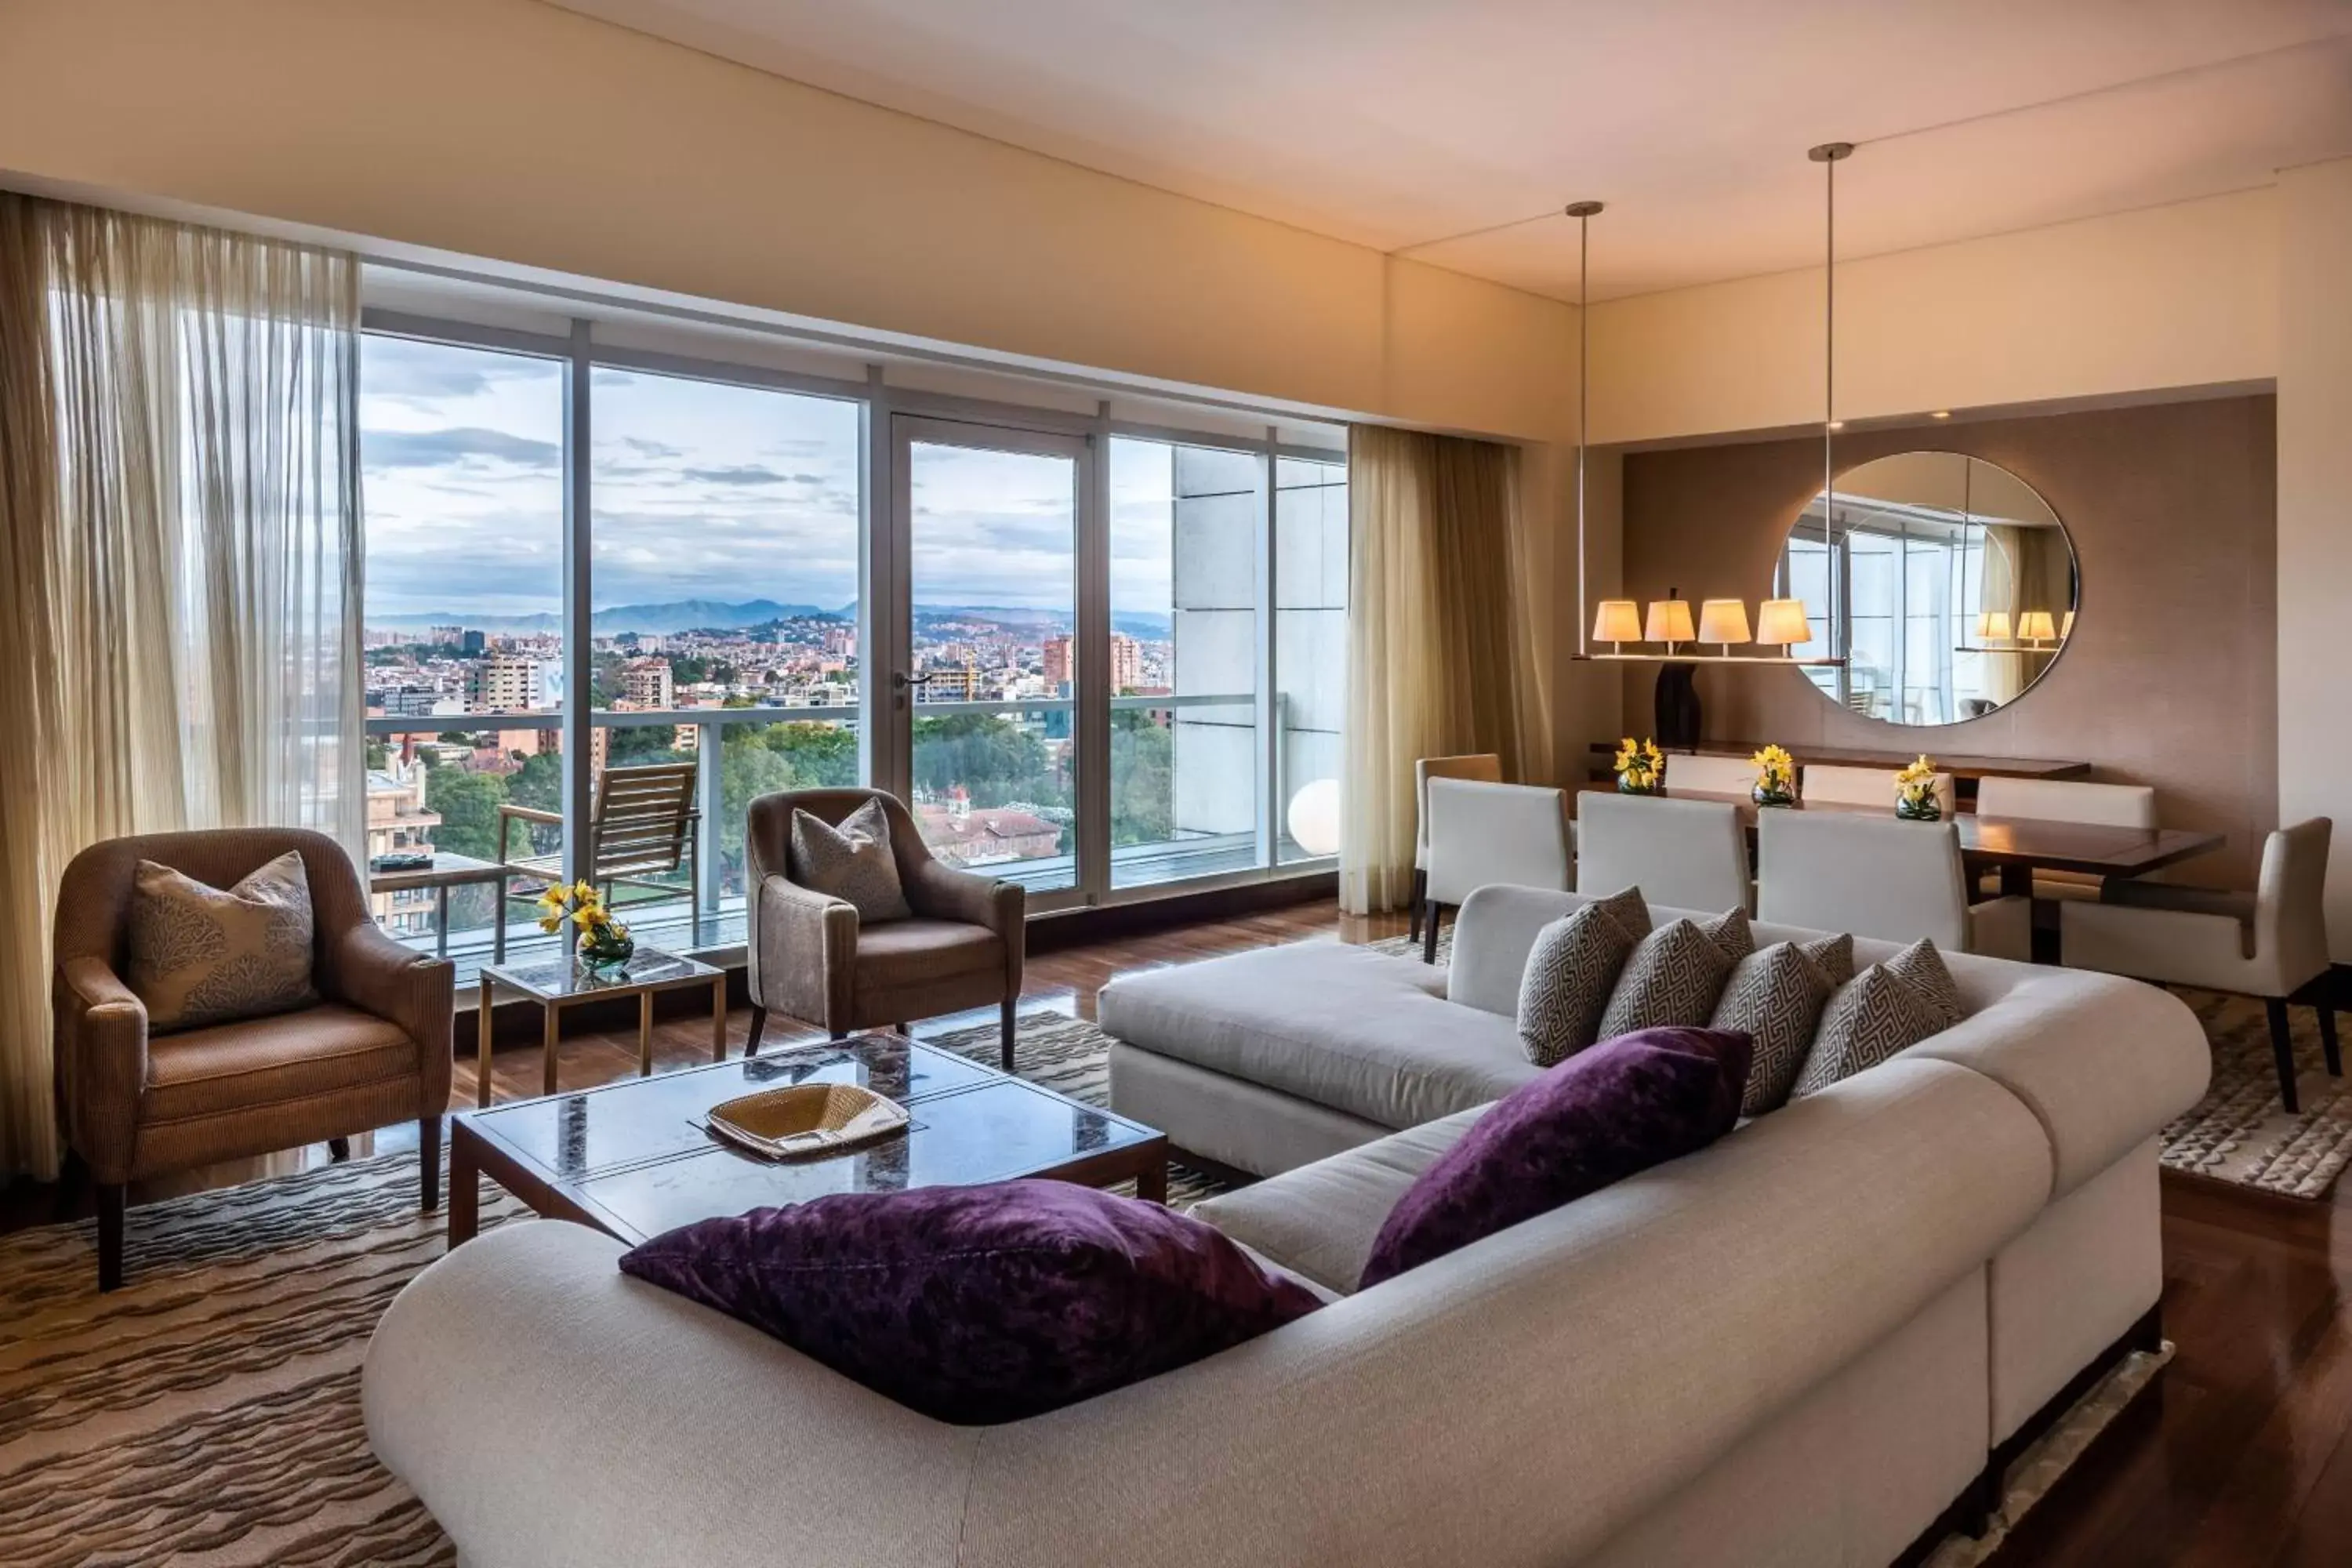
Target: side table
x=555, y=983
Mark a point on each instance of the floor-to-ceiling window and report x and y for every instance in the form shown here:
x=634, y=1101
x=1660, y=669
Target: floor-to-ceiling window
x=667, y=559
x=461, y=452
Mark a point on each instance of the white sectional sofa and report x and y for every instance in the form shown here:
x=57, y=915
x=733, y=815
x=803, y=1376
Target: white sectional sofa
x=1799, y=1346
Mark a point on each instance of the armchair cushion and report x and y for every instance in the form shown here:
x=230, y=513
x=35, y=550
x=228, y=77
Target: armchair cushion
x=256, y=1062
x=852, y=861
x=910, y=952
x=203, y=955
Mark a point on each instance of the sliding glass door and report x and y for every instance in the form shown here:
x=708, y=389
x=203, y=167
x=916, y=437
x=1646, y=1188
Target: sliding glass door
x=987, y=663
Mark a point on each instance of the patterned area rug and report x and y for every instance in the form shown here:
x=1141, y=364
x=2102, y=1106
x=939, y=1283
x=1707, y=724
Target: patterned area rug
x=208, y=1413
x=2240, y=1132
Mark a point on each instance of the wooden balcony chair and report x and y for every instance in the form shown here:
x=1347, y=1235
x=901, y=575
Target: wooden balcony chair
x=641, y=828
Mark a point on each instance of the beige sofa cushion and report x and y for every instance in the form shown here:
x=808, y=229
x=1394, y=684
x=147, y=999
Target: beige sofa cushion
x=1359, y=1031
x=1319, y=1220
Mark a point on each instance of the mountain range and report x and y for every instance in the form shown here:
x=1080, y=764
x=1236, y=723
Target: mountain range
x=714, y=615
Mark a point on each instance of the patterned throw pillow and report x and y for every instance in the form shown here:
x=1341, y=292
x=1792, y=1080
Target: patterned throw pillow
x=1776, y=997
x=852, y=861
x=200, y=955
x=1889, y=1007
x=1676, y=973
x=1571, y=972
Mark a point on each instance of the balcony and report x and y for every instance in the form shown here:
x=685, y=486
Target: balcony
x=667, y=921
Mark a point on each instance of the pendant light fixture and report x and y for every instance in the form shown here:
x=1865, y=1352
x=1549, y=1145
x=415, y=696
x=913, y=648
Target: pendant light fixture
x=1781, y=622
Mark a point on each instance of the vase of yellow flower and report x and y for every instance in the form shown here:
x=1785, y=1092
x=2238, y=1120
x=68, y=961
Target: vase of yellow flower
x=1915, y=793
x=1640, y=766
x=1776, y=777
x=604, y=943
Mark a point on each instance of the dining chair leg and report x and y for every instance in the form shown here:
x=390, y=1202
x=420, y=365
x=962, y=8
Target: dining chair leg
x=2327, y=1039
x=428, y=1163
x=339, y=1150
x=2282, y=1051
x=1419, y=897
x=759, y=1022
x=1430, y=915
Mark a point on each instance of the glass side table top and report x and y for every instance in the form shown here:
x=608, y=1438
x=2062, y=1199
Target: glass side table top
x=648, y=968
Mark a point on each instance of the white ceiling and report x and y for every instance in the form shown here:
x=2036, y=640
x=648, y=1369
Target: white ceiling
x=1395, y=123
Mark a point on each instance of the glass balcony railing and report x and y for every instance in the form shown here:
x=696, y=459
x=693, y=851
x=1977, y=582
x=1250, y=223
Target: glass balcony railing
x=992, y=793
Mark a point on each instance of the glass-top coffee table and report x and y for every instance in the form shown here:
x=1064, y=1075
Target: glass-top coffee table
x=557, y=982
x=633, y=1159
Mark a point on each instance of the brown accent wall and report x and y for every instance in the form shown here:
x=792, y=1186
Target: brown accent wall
x=2171, y=676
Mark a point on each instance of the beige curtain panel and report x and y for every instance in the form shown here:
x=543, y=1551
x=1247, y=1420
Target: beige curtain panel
x=179, y=496
x=1446, y=634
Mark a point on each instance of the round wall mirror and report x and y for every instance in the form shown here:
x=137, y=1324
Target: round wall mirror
x=1946, y=583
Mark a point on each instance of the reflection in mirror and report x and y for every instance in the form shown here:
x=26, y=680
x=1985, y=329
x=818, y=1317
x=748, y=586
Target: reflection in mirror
x=1946, y=583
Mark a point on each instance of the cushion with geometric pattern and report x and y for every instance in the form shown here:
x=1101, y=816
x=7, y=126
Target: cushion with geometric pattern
x=1676, y=973
x=1571, y=971
x=1885, y=1009
x=1776, y=997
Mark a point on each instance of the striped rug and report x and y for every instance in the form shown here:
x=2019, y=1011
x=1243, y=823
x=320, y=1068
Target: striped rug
x=208, y=1412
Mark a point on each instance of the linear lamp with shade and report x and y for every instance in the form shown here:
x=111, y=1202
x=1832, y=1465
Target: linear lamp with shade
x=1723, y=622
x=1669, y=622
x=1783, y=623
x=1617, y=622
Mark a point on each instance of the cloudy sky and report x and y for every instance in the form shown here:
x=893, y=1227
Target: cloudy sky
x=702, y=491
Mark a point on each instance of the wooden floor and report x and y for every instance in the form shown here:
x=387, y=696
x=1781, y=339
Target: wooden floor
x=2243, y=1456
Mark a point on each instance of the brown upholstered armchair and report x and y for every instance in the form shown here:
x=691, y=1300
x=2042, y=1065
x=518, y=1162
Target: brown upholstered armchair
x=375, y=1049
x=808, y=958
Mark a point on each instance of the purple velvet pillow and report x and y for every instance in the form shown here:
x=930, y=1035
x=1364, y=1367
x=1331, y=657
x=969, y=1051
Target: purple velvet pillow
x=981, y=1304
x=1603, y=1114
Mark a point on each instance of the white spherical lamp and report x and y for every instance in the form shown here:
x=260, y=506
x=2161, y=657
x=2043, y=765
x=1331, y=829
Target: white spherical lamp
x=1313, y=817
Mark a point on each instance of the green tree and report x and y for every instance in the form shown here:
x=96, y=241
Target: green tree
x=379, y=755
x=996, y=759
x=638, y=744
x=1142, y=788
x=469, y=805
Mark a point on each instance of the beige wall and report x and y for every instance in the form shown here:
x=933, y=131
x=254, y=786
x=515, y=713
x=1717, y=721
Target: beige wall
x=2175, y=296
x=2170, y=677
x=2314, y=515
x=512, y=130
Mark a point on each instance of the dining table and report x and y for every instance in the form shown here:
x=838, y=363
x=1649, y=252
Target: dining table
x=2015, y=847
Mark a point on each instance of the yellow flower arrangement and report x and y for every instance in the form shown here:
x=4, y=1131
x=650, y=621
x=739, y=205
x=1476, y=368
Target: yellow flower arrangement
x=1640, y=766
x=1915, y=792
x=603, y=939
x=1776, y=777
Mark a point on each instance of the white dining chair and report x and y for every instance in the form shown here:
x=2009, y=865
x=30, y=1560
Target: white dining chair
x=1830, y=784
x=1482, y=833
x=2273, y=945
x=1683, y=854
x=2067, y=800
x=1709, y=775
x=1895, y=880
x=1483, y=766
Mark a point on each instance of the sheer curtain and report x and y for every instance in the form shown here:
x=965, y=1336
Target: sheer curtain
x=179, y=491
x=1445, y=637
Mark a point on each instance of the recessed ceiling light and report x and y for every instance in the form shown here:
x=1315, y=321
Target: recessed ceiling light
x=1941, y=413
x=1837, y=424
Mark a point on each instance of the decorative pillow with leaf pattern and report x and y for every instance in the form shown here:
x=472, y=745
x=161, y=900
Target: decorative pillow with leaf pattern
x=203, y=955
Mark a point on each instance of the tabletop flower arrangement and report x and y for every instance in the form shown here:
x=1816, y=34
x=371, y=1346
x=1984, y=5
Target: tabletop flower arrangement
x=604, y=943
x=1640, y=766
x=1776, y=777
x=1915, y=793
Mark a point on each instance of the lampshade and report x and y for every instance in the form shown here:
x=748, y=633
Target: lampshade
x=2035, y=625
x=1313, y=817
x=1992, y=625
x=1784, y=621
x=1617, y=620
x=1723, y=621
x=2066, y=626
x=1670, y=621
